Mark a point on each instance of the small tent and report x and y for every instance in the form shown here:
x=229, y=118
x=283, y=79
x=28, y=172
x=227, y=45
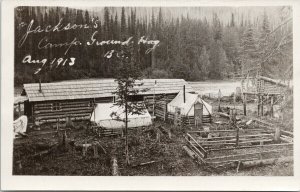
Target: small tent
x=20, y=125
x=187, y=107
x=102, y=116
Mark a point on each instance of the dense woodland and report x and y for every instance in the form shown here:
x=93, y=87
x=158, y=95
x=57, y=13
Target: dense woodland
x=190, y=48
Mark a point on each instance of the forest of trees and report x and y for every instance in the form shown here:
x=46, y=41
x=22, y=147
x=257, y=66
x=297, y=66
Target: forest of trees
x=190, y=48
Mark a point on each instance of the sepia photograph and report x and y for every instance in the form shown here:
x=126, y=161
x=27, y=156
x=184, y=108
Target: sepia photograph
x=152, y=90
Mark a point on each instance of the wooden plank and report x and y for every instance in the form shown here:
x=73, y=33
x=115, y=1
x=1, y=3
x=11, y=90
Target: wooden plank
x=254, y=146
x=41, y=112
x=241, y=136
x=245, y=154
x=288, y=133
x=61, y=116
x=199, y=153
x=43, y=104
x=198, y=145
x=233, y=139
x=66, y=113
x=221, y=131
x=63, y=119
x=230, y=142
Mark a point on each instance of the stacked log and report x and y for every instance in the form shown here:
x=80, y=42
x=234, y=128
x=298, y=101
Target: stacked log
x=51, y=111
x=190, y=120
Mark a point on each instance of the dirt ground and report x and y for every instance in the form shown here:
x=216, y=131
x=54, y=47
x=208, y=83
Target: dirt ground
x=47, y=154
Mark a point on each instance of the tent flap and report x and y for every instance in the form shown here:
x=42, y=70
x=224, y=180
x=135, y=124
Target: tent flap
x=187, y=107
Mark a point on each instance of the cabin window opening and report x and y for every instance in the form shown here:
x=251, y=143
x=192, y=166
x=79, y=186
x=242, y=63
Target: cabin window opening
x=56, y=106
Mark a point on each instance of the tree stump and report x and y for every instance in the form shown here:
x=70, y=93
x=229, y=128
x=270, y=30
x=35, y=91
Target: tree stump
x=277, y=134
x=115, y=170
x=95, y=149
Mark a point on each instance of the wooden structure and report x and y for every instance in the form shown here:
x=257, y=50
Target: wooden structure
x=219, y=148
x=162, y=113
x=266, y=90
x=52, y=102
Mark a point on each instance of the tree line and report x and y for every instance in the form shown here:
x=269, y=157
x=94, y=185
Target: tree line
x=189, y=48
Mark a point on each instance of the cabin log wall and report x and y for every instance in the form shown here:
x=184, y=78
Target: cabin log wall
x=262, y=86
x=51, y=111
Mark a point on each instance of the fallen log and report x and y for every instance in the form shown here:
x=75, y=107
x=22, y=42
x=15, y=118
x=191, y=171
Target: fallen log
x=189, y=152
x=227, y=116
x=286, y=140
x=287, y=133
x=245, y=154
x=255, y=163
x=102, y=148
x=146, y=163
x=165, y=131
x=229, y=161
x=45, y=152
x=248, y=164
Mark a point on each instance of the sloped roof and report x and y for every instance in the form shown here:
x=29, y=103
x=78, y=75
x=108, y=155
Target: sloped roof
x=20, y=99
x=102, y=116
x=277, y=82
x=187, y=108
x=96, y=88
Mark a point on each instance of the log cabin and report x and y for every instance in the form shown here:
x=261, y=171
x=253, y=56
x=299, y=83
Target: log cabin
x=267, y=91
x=263, y=85
x=52, y=102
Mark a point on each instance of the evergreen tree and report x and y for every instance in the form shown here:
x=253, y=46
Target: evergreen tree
x=249, y=50
x=106, y=23
x=195, y=73
x=204, y=64
x=116, y=28
x=123, y=23
x=217, y=28
x=127, y=76
x=232, y=22
x=218, y=60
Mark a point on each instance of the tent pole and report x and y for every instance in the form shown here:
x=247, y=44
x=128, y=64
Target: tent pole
x=154, y=98
x=94, y=111
x=183, y=93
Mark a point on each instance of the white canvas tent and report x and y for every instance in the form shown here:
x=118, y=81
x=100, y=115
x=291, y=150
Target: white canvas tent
x=102, y=116
x=187, y=108
x=20, y=125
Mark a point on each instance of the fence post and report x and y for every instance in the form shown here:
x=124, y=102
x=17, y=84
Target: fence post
x=272, y=109
x=245, y=103
x=219, y=100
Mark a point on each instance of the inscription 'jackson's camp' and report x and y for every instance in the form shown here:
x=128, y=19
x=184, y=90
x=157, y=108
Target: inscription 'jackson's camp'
x=46, y=44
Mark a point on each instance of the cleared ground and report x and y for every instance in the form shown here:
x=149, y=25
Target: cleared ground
x=164, y=155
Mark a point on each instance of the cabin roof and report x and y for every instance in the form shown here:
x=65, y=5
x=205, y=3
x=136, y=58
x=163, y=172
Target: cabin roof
x=97, y=88
x=274, y=81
